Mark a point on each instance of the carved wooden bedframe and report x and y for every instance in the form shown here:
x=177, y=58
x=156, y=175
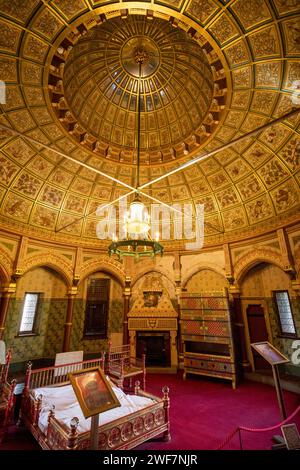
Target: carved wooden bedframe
x=6, y=396
x=124, y=433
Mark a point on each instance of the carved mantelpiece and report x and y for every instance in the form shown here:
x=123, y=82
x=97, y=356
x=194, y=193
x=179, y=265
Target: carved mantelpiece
x=152, y=310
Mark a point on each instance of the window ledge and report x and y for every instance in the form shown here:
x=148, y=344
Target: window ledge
x=25, y=335
x=88, y=337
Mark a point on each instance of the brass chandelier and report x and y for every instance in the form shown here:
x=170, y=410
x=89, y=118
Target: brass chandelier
x=137, y=242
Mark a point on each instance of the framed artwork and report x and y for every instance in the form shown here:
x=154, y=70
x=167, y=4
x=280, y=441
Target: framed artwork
x=151, y=298
x=93, y=391
x=269, y=353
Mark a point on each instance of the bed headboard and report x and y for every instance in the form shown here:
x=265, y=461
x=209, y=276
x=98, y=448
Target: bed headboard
x=48, y=376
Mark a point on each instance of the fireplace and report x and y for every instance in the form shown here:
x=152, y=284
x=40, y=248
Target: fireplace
x=152, y=325
x=156, y=346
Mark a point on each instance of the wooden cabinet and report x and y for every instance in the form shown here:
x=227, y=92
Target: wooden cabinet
x=206, y=330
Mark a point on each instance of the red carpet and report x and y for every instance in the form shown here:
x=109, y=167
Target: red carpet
x=203, y=413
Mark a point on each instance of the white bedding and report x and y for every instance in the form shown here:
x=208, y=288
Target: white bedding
x=67, y=406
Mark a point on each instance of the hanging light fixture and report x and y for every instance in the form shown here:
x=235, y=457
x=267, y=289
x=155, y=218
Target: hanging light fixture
x=137, y=242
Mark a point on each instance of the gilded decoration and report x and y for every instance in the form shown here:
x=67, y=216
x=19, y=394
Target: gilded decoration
x=242, y=79
x=13, y=98
x=257, y=154
x=275, y=136
x=259, y=209
x=7, y=170
x=237, y=169
x=240, y=99
x=285, y=196
x=222, y=81
x=8, y=69
x=246, y=260
x=17, y=207
x=227, y=198
x=252, y=12
x=263, y=102
x=265, y=43
x=291, y=29
x=268, y=74
x=286, y=6
x=290, y=153
x=234, y=219
x=27, y=184
x=152, y=299
x=44, y=217
x=69, y=9
x=237, y=54
x=167, y=116
x=218, y=180
x=250, y=187
x=223, y=29
x=47, y=24
x=272, y=173
x=9, y=37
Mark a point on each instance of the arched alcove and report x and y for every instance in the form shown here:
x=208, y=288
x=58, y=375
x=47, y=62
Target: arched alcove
x=51, y=288
x=260, y=312
x=114, y=327
x=205, y=280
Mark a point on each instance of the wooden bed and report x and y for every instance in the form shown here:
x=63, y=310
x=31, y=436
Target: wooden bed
x=6, y=396
x=124, y=433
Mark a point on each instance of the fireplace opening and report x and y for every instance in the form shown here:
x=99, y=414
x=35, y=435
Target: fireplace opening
x=156, y=346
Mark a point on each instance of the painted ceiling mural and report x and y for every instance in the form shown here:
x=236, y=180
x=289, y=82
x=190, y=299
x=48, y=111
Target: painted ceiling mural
x=219, y=69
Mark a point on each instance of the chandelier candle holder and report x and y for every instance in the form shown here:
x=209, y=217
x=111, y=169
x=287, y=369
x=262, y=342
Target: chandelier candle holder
x=137, y=243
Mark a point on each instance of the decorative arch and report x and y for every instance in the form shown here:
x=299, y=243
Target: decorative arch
x=195, y=269
x=106, y=265
x=254, y=257
x=149, y=270
x=51, y=260
x=297, y=259
x=6, y=266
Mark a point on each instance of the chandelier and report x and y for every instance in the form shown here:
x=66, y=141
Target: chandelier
x=137, y=242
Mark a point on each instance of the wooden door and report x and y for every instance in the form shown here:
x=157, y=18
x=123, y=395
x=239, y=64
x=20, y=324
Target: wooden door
x=257, y=332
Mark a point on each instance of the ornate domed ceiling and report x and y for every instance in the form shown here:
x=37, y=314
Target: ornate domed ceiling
x=216, y=70
x=100, y=86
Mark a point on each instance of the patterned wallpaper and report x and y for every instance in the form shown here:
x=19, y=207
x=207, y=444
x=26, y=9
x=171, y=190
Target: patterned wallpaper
x=52, y=314
x=205, y=281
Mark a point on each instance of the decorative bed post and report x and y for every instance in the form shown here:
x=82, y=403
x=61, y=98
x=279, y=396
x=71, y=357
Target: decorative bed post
x=144, y=370
x=166, y=400
x=27, y=378
x=73, y=434
x=8, y=410
x=137, y=387
x=50, y=416
x=37, y=410
x=4, y=370
x=102, y=360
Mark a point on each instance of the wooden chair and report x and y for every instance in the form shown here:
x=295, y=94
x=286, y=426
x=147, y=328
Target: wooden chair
x=122, y=368
x=7, y=397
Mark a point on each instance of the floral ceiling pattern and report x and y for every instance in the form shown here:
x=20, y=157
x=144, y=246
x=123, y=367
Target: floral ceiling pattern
x=252, y=49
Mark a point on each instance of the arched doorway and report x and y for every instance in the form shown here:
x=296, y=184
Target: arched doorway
x=262, y=323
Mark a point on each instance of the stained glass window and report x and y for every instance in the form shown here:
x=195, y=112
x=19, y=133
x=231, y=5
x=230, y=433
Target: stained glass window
x=285, y=313
x=29, y=312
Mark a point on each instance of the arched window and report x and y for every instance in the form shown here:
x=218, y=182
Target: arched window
x=96, y=311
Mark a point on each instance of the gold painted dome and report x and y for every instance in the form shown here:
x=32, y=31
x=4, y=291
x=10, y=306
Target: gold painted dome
x=100, y=83
x=215, y=72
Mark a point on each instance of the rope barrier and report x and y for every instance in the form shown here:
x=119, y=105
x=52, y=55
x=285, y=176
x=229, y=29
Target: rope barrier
x=243, y=428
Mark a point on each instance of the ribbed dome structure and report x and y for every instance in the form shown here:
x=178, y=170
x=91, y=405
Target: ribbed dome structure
x=100, y=85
